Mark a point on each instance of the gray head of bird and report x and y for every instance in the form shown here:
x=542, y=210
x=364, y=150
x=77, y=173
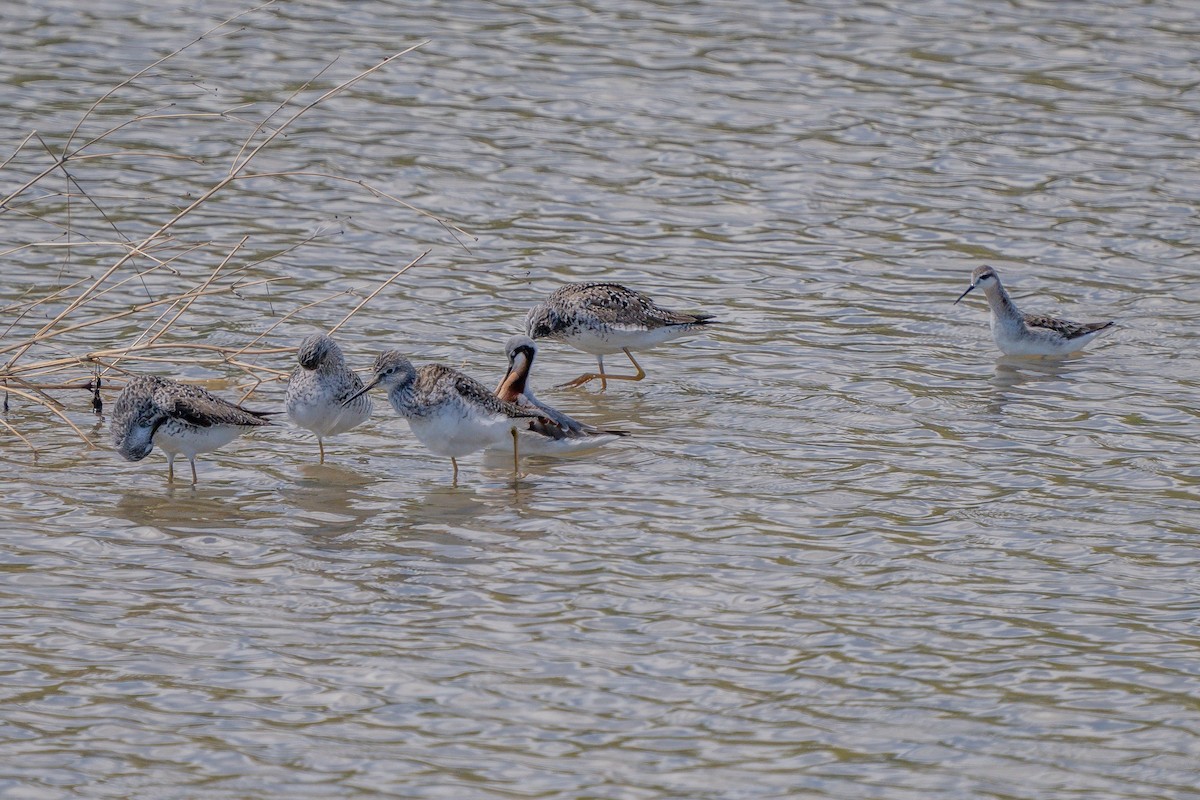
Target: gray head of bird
x=541, y=321
x=982, y=278
x=391, y=370
x=521, y=351
x=135, y=418
x=520, y=347
x=317, y=349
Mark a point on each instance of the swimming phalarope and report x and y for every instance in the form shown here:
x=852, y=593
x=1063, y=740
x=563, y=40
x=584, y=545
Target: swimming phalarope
x=450, y=413
x=603, y=318
x=554, y=432
x=319, y=388
x=180, y=418
x=1020, y=334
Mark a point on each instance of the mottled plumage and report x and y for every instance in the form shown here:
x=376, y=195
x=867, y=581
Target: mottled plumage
x=180, y=418
x=319, y=390
x=1017, y=333
x=603, y=318
x=450, y=413
x=554, y=432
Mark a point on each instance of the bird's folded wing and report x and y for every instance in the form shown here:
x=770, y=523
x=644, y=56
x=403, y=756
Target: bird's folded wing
x=206, y=411
x=1066, y=328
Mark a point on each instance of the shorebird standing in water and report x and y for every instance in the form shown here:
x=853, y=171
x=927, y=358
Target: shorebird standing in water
x=604, y=318
x=1020, y=334
x=180, y=418
x=555, y=432
x=319, y=388
x=450, y=413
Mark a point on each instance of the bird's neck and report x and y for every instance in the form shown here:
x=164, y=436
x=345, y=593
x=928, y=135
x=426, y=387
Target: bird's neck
x=403, y=399
x=1002, y=305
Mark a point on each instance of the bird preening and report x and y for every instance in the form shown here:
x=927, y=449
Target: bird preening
x=323, y=394
x=453, y=414
x=558, y=431
x=449, y=412
x=180, y=418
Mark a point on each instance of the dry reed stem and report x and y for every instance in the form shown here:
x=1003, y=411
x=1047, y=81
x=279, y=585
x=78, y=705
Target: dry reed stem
x=71, y=181
x=285, y=318
x=208, y=194
x=332, y=330
x=378, y=289
x=36, y=389
x=57, y=412
x=18, y=149
x=18, y=434
x=122, y=314
x=193, y=297
x=88, y=384
x=52, y=366
x=336, y=90
x=448, y=226
x=34, y=303
x=262, y=123
x=73, y=245
x=165, y=58
x=75, y=154
x=14, y=376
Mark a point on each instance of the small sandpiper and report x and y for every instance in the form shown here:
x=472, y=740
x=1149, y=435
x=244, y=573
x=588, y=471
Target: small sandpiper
x=555, y=432
x=319, y=388
x=603, y=318
x=180, y=418
x=450, y=413
x=1020, y=334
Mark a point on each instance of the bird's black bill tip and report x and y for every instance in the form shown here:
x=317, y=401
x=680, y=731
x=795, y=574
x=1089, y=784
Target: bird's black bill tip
x=964, y=294
x=359, y=393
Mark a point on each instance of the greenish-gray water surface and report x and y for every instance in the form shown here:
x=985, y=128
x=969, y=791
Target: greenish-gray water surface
x=848, y=551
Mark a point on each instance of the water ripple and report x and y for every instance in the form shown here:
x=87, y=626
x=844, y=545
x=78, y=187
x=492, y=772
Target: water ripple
x=848, y=551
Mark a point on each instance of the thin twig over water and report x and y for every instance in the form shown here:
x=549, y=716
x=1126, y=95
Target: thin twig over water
x=58, y=352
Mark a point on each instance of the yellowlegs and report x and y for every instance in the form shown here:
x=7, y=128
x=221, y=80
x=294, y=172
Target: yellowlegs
x=319, y=388
x=1020, y=334
x=450, y=413
x=555, y=432
x=180, y=418
x=603, y=318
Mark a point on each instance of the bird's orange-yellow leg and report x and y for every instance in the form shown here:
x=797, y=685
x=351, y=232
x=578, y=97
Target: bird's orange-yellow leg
x=641, y=373
x=605, y=377
x=321, y=445
x=582, y=379
x=170, y=468
x=454, y=463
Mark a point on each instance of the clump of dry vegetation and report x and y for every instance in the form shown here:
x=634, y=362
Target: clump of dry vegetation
x=99, y=303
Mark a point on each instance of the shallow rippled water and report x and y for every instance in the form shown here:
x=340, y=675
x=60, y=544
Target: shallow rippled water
x=849, y=551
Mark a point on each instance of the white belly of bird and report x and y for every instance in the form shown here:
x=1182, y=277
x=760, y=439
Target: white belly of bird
x=613, y=339
x=327, y=419
x=188, y=440
x=1021, y=341
x=449, y=433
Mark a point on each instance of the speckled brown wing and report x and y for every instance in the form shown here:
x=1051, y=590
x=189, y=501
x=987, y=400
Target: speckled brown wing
x=476, y=393
x=443, y=383
x=617, y=305
x=435, y=382
x=1065, y=328
x=197, y=407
